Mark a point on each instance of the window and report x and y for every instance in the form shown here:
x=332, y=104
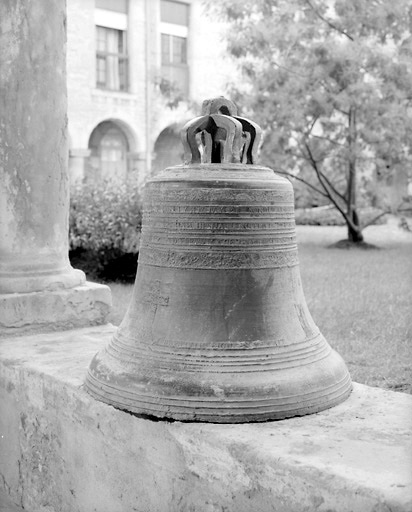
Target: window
x=112, y=147
x=111, y=59
x=109, y=147
x=173, y=49
x=174, y=12
x=174, y=36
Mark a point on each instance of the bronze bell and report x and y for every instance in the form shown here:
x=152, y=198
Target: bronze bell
x=218, y=328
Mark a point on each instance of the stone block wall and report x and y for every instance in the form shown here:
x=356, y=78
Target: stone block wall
x=63, y=451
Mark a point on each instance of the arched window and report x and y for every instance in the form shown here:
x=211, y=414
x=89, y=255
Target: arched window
x=168, y=149
x=109, y=147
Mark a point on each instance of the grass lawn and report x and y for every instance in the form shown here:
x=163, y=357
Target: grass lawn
x=361, y=300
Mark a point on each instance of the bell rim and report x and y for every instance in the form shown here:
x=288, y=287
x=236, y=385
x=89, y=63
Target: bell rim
x=223, y=414
x=282, y=399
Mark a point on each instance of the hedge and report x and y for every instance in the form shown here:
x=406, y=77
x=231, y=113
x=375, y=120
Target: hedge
x=104, y=229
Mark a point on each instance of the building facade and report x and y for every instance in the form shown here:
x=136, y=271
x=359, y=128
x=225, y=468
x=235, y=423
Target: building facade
x=137, y=70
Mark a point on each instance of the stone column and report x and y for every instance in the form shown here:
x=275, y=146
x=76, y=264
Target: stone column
x=34, y=181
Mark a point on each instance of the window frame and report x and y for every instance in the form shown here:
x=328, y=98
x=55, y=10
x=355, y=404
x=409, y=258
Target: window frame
x=122, y=66
x=171, y=61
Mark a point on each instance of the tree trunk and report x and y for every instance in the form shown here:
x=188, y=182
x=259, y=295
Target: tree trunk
x=355, y=235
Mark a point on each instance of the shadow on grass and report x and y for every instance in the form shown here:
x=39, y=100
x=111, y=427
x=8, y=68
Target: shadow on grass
x=350, y=245
x=120, y=268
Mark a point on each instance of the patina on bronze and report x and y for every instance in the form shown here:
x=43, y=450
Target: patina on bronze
x=218, y=328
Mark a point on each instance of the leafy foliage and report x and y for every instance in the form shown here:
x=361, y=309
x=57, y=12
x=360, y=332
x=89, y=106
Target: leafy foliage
x=329, y=82
x=170, y=92
x=104, y=228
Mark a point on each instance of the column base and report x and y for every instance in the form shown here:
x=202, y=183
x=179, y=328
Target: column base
x=88, y=304
x=40, y=279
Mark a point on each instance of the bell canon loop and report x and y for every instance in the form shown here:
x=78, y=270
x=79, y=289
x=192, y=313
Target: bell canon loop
x=218, y=329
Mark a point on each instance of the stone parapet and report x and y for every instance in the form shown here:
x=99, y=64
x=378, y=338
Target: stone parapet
x=61, y=451
x=88, y=304
x=8, y=506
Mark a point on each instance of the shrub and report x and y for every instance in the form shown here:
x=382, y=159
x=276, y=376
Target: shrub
x=329, y=216
x=104, y=229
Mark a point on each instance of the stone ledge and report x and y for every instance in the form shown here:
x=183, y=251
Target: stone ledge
x=8, y=506
x=88, y=304
x=62, y=451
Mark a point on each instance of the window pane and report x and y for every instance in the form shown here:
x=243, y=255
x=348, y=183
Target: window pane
x=124, y=41
x=179, y=50
x=112, y=40
x=101, y=71
x=111, y=59
x=174, y=12
x=165, y=48
x=111, y=154
x=123, y=74
x=121, y=41
x=112, y=5
x=101, y=39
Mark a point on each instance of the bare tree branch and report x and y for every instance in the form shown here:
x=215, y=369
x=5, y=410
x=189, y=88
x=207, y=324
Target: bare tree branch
x=332, y=199
x=344, y=112
x=289, y=70
x=312, y=124
x=332, y=187
x=328, y=182
x=328, y=22
x=307, y=183
x=374, y=219
x=329, y=140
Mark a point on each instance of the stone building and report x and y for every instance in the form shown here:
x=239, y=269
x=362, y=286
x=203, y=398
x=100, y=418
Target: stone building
x=137, y=70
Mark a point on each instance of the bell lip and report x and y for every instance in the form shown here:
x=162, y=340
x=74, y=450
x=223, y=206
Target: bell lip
x=280, y=400
x=220, y=416
x=219, y=419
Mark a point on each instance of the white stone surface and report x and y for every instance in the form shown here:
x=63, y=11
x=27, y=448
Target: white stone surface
x=80, y=306
x=62, y=451
x=8, y=506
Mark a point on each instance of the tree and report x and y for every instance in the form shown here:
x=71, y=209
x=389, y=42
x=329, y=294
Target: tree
x=330, y=82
